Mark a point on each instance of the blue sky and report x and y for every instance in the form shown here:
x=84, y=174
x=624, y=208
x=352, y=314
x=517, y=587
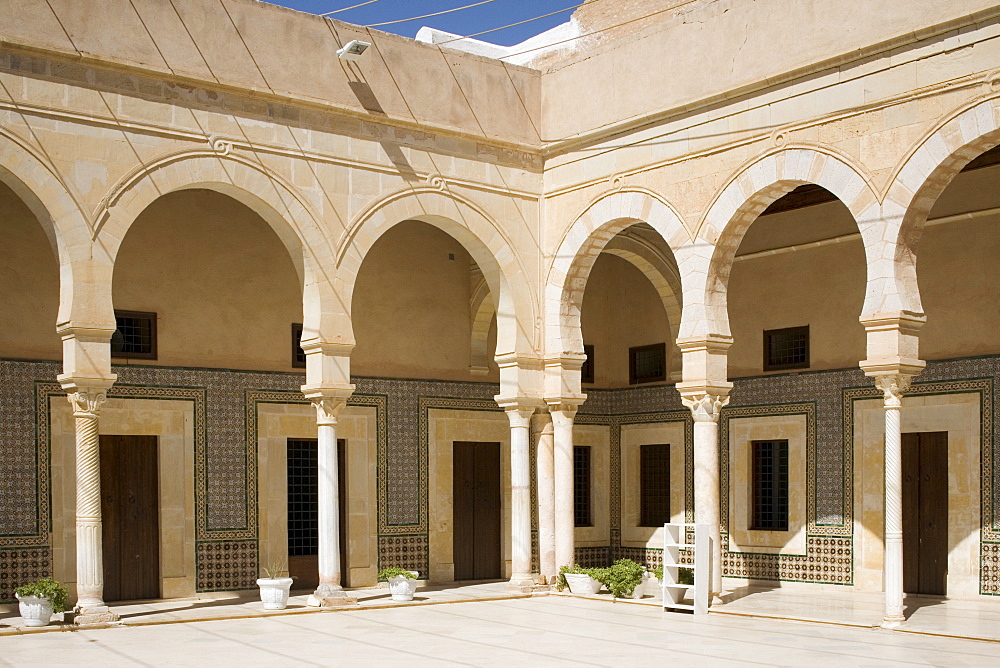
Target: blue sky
x=491, y=15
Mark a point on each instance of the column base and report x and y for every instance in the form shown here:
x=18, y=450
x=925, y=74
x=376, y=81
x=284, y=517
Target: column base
x=522, y=583
x=94, y=614
x=328, y=596
x=892, y=622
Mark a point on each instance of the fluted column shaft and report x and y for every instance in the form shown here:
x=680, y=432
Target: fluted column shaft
x=705, y=409
x=520, y=496
x=565, y=529
x=89, y=540
x=542, y=426
x=893, y=387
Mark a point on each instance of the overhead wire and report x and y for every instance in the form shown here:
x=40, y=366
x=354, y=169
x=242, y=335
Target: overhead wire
x=360, y=4
x=414, y=18
x=511, y=25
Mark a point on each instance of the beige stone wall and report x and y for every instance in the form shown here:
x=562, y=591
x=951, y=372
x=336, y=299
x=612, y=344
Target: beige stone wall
x=633, y=437
x=598, y=437
x=29, y=284
x=621, y=310
x=957, y=414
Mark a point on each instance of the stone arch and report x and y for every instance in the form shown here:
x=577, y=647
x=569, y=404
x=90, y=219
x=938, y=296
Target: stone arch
x=482, y=309
x=737, y=206
x=470, y=225
x=914, y=189
x=586, y=238
x=42, y=189
x=261, y=191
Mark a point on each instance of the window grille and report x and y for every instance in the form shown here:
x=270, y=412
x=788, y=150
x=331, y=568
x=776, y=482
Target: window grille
x=135, y=335
x=647, y=364
x=786, y=348
x=654, y=485
x=770, y=485
x=303, y=497
x=582, y=516
x=587, y=370
x=298, y=355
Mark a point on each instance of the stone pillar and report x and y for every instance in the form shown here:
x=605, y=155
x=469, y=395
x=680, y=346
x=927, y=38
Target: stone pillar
x=705, y=408
x=565, y=526
x=329, y=591
x=893, y=387
x=520, y=497
x=541, y=423
x=90, y=608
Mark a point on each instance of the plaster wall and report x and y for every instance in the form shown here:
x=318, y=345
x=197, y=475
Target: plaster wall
x=633, y=437
x=621, y=309
x=598, y=438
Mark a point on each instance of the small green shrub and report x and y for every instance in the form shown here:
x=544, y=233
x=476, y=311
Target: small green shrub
x=46, y=588
x=658, y=572
x=685, y=576
x=623, y=577
x=275, y=570
x=393, y=571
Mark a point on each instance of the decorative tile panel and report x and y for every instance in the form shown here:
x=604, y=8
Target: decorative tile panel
x=410, y=552
x=226, y=565
x=21, y=566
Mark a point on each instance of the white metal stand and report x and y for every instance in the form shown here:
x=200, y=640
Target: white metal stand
x=677, y=596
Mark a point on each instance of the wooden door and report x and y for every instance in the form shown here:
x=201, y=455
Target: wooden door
x=925, y=513
x=476, y=505
x=303, y=511
x=131, y=517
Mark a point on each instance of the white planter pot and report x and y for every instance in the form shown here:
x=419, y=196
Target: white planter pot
x=640, y=589
x=581, y=583
x=402, y=588
x=35, y=611
x=653, y=585
x=274, y=592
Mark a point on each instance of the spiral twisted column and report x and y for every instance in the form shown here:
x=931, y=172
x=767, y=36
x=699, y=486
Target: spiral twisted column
x=86, y=405
x=705, y=408
x=893, y=386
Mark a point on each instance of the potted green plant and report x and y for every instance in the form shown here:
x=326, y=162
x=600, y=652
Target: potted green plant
x=582, y=580
x=402, y=583
x=625, y=579
x=274, y=587
x=38, y=601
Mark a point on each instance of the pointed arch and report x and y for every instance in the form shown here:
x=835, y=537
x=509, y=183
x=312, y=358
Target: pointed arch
x=707, y=263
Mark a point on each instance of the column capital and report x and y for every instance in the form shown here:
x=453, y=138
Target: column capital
x=893, y=386
x=519, y=415
x=328, y=401
x=86, y=395
x=704, y=403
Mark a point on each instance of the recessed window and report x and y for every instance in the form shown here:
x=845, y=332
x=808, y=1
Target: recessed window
x=135, y=335
x=647, y=364
x=770, y=485
x=303, y=497
x=654, y=485
x=298, y=355
x=582, y=516
x=786, y=348
x=587, y=370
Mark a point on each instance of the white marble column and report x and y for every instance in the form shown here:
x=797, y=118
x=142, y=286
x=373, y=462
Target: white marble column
x=562, y=437
x=893, y=386
x=90, y=607
x=520, y=497
x=541, y=423
x=705, y=408
x=329, y=591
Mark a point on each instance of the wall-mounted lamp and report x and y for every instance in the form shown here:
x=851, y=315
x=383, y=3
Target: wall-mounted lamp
x=353, y=50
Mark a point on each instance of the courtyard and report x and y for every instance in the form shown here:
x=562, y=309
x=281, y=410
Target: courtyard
x=549, y=630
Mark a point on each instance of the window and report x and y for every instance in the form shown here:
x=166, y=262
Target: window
x=647, y=364
x=303, y=497
x=135, y=335
x=770, y=485
x=654, y=485
x=582, y=516
x=587, y=370
x=298, y=355
x=786, y=348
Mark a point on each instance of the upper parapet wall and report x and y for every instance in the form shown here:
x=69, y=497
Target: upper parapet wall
x=706, y=49
x=256, y=46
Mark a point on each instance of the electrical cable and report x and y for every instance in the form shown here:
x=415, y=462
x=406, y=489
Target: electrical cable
x=360, y=4
x=511, y=25
x=414, y=18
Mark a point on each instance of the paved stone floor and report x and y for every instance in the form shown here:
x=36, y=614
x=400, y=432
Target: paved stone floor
x=549, y=630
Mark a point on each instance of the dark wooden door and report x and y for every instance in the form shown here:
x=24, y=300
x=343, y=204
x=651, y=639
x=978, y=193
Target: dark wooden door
x=925, y=513
x=131, y=518
x=476, y=487
x=303, y=511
